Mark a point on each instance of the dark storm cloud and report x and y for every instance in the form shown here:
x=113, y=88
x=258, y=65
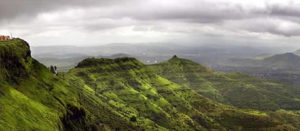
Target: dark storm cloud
x=195, y=11
x=190, y=11
x=13, y=8
x=271, y=26
x=216, y=13
x=143, y=19
x=148, y=13
x=279, y=19
x=284, y=10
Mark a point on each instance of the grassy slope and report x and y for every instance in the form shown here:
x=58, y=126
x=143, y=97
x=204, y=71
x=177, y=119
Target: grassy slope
x=15, y=59
x=32, y=98
x=131, y=89
x=235, y=89
x=107, y=94
x=28, y=92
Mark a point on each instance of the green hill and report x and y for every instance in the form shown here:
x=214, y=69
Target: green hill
x=236, y=89
x=284, y=62
x=113, y=94
x=129, y=86
x=31, y=98
x=15, y=60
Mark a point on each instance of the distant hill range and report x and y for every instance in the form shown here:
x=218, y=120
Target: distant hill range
x=286, y=61
x=282, y=61
x=297, y=52
x=208, y=54
x=283, y=68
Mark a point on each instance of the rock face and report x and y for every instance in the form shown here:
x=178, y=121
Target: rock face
x=15, y=59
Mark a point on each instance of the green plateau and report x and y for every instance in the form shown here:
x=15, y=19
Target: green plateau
x=125, y=94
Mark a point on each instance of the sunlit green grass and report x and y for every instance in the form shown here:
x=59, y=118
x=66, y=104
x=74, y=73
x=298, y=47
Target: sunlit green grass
x=236, y=89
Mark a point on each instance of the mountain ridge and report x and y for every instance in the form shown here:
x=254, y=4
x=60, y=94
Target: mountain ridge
x=227, y=88
x=114, y=94
x=286, y=61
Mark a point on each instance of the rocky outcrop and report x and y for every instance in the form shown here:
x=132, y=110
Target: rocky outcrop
x=15, y=59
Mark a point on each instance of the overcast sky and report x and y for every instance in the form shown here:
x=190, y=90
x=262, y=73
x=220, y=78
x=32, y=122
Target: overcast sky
x=97, y=22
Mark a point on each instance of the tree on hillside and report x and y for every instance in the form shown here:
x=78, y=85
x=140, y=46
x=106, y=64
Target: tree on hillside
x=53, y=69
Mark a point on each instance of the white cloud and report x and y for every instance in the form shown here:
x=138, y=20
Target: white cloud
x=131, y=21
